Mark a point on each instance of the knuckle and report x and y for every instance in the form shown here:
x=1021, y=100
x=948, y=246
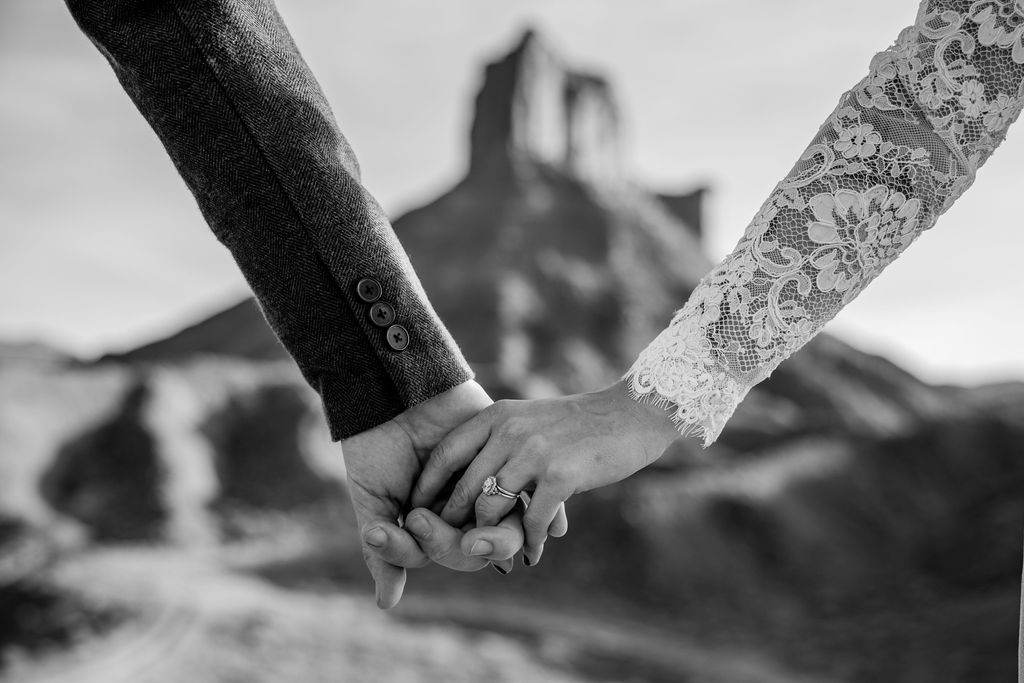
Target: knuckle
x=556, y=474
x=438, y=554
x=484, y=509
x=514, y=428
x=534, y=525
x=561, y=475
x=415, y=562
x=502, y=551
x=441, y=456
x=537, y=444
x=461, y=495
x=506, y=430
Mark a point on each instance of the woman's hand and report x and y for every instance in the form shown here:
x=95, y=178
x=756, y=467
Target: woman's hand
x=551, y=448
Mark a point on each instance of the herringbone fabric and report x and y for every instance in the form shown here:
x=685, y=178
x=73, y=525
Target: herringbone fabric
x=245, y=122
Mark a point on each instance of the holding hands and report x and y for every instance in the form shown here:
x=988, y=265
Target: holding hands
x=383, y=464
x=547, y=450
x=550, y=449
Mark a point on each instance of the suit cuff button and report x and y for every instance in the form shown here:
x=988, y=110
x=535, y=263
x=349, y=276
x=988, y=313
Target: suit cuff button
x=368, y=289
x=398, y=338
x=382, y=314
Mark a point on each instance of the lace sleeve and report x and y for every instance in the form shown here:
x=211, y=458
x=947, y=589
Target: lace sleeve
x=898, y=150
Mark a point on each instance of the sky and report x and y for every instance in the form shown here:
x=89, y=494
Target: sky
x=102, y=247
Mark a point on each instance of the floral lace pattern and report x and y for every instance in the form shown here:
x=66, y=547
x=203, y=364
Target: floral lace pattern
x=898, y=150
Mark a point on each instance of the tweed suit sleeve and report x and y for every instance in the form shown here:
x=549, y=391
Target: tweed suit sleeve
x=251, y=133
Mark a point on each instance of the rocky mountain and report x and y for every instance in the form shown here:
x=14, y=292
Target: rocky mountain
x=238, y=331
x=34, y=353
x=549, y=265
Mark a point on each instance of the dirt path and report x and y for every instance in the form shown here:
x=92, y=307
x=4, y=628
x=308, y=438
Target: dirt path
x=628, y=641
x=199, y=622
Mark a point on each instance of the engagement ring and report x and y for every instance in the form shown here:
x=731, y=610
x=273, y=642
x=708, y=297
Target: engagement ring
x=491, y=488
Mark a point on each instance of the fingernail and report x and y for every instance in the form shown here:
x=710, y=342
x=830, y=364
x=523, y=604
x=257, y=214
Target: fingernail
x=527, y=561
x=500, y=570
x=482, y=548
x=418, y=525
x=376, y=537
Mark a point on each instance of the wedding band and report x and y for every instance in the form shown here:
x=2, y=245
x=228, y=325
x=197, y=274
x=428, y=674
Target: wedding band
x=491, y=488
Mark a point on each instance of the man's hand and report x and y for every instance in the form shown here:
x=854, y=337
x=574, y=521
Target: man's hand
x=384, y=462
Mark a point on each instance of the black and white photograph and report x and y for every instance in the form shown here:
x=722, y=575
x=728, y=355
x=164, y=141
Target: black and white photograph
x=384, y=341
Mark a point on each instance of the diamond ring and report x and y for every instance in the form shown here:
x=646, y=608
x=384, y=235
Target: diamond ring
x=491, y=488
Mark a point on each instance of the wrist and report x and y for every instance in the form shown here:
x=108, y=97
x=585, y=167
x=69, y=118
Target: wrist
x=653, y=422
x=444, y=411
x=468, y=393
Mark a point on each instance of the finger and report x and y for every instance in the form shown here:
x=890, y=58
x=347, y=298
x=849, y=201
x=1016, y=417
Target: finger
x=513, y=523
x=459, y=508
x=441, y=542
x=504, y=567
x=559, y=527
x=497, y=543
x=389, y=580
x=537, y=520
x=453, y=453
x=491, y=508
x=377, y=531
x=445, y=494
x=394, y=545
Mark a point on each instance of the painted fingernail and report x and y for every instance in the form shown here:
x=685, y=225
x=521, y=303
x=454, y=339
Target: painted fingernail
x=500, y=570
x=527, y=561
x=481, y=548
x=376, y=537
x=418, y=525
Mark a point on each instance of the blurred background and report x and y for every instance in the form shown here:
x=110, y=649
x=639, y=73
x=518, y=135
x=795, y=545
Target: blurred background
x=170, y=503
